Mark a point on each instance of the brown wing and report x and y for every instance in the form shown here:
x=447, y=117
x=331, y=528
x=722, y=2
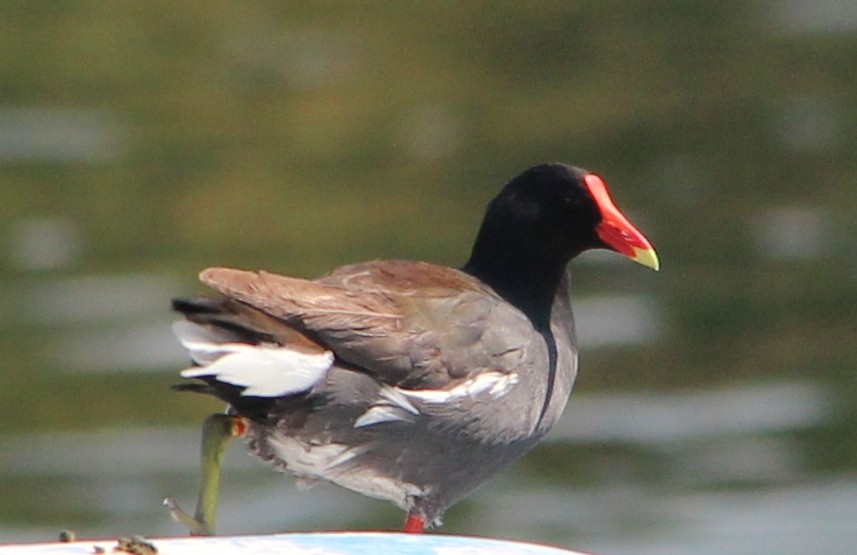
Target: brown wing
x=404, y=277
x=300, y=300
x=411, y=324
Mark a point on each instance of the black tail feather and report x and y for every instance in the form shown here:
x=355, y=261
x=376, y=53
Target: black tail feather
x=194, y=387
x=199, y=305
x=225, y=314
x=253, y=407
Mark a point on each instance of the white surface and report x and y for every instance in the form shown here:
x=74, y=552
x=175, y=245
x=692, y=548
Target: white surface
x=330, y=543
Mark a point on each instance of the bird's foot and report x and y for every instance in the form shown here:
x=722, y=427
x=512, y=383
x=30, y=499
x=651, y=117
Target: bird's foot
x=414, y=524
x=217, y=431
x=195, y=527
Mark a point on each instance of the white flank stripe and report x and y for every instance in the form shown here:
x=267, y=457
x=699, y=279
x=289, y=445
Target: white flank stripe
x=495, y=383
x=382, y=413
x=502, y=386
x=396, y=396
x=264, y=370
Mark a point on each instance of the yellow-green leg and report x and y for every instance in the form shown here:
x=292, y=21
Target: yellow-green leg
x=217, y=431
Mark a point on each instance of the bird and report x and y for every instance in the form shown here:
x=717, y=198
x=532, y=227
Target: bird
x=402, y=380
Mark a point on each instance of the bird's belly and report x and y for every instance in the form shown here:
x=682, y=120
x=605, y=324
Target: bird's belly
x=338, y=463
x=397, y=465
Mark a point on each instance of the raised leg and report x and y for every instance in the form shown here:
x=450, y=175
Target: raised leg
x=217, y=431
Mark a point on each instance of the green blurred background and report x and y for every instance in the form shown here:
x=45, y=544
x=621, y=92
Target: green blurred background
x=143, y=141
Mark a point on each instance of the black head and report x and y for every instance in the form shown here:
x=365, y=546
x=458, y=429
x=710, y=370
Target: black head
x=540, y=221
x=549, y=210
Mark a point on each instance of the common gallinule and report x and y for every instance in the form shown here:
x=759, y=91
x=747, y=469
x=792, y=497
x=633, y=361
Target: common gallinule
x=406, y=381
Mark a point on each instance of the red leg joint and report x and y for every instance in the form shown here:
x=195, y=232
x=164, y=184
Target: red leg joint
x=239, y=426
